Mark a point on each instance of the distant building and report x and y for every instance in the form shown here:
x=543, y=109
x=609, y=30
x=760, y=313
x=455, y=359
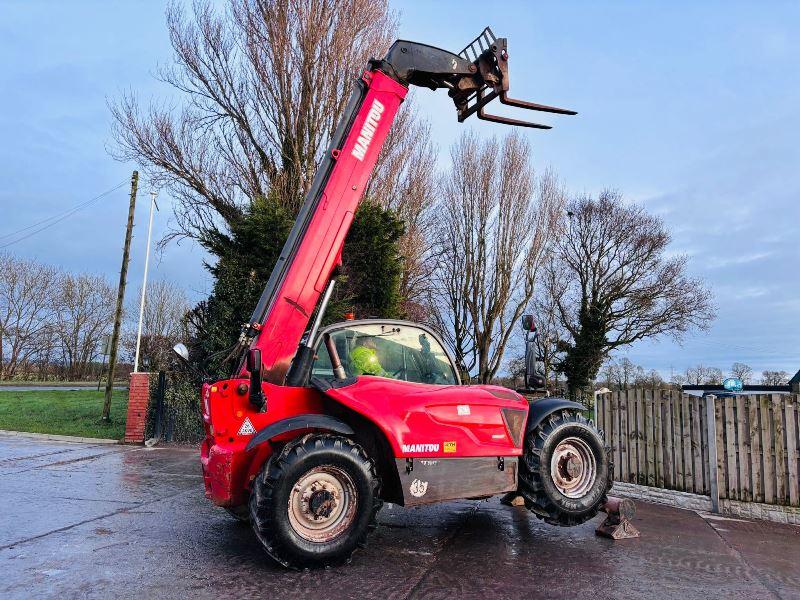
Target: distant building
x=794, y=383
x=792, y=387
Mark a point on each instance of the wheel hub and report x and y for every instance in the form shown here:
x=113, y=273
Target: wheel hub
x=573, y=467
x=322, y=503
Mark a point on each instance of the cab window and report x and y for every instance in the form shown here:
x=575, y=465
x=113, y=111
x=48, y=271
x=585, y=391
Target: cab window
x=387, y=350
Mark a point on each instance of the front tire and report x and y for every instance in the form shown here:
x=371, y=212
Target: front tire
x=314, y=503
x=566, y=471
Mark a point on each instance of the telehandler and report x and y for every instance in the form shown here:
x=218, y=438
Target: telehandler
x=305, y=443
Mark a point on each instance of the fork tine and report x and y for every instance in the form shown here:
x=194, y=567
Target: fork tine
x=504, y=99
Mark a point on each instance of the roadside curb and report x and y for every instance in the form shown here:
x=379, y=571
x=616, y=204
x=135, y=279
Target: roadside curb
x=58, y=438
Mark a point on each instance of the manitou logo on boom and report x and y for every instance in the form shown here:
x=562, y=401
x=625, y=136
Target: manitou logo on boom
x=368, y=130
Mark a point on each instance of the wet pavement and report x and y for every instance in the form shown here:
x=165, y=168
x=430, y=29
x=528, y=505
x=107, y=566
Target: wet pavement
x=81, y=520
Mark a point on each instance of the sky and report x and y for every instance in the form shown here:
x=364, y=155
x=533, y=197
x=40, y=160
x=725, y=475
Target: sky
x=687, y=108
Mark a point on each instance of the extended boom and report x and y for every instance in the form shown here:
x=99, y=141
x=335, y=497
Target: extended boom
x=474, y=77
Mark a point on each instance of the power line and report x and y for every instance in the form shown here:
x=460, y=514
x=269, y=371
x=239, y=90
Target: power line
x=69, y=210
x=40, y=226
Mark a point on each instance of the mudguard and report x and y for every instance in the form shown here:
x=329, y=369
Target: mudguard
x=540, y=409
x=309, y=421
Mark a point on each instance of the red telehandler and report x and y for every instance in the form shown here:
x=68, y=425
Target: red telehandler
x=305, y=444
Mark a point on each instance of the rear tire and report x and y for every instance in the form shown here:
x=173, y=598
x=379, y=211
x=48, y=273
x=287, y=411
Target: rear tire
x=240, y=513
x=565, y=471
x=314, y=503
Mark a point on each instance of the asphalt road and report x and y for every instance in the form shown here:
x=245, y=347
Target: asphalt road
x=79, y=520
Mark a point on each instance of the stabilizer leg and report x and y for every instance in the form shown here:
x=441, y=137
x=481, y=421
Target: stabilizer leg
x=617, y=524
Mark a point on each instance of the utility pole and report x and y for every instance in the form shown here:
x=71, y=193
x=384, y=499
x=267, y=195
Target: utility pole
x=153, y=195
x=123, y=275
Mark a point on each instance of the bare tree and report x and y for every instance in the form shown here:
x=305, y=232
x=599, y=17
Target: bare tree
x=714, y=376
x=610, y=374
x=496, y=219
x=83, y=313
x=163, y=325
x=741, y=371
x=405, y=182
x=774, y=377
x=678, y=380
x=550, y=332
x=26, y=292
x=648, y=379
x=516, y=372
x=613, y=283
x=702, y=375
x=696, y=375
x=627, y=372
x=264, y=84
x=622, y=374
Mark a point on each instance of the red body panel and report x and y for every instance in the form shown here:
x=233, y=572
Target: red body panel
x=418, y=420
x=424, y=420
x=311, y=269
x=227, y=465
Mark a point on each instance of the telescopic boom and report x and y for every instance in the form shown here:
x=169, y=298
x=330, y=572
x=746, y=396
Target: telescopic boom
x=473, y=77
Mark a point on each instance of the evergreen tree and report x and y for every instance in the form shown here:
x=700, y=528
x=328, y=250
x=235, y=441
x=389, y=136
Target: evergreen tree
x=369, y=282
x=245, y=258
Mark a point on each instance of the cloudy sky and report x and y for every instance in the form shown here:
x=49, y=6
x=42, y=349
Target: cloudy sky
x=688, y=109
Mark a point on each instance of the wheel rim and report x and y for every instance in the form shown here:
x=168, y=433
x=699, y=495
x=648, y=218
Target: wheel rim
x=322, y=504
x=573, y=467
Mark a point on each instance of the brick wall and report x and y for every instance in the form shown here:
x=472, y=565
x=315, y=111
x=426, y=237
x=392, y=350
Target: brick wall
x=138, y=399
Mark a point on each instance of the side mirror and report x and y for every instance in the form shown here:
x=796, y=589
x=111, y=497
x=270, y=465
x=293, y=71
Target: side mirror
x=256, y=395
x=182, y=351
x=527, y=323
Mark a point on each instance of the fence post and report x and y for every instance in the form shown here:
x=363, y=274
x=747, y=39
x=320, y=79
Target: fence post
x=162, y=384
x=713, y=474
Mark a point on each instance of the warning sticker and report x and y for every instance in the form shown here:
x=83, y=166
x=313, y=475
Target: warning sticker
x=247, y=427
x=449, y=447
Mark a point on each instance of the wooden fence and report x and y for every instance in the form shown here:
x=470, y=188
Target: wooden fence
x=661, y=438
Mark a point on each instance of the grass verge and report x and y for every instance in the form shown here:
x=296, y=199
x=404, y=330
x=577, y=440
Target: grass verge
x=63, y=412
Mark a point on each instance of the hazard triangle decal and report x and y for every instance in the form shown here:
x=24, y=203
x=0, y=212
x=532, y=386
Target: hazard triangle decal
x=247, y=427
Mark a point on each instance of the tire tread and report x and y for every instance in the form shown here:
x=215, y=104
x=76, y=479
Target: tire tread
x=266, y=482
x=531, y=487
